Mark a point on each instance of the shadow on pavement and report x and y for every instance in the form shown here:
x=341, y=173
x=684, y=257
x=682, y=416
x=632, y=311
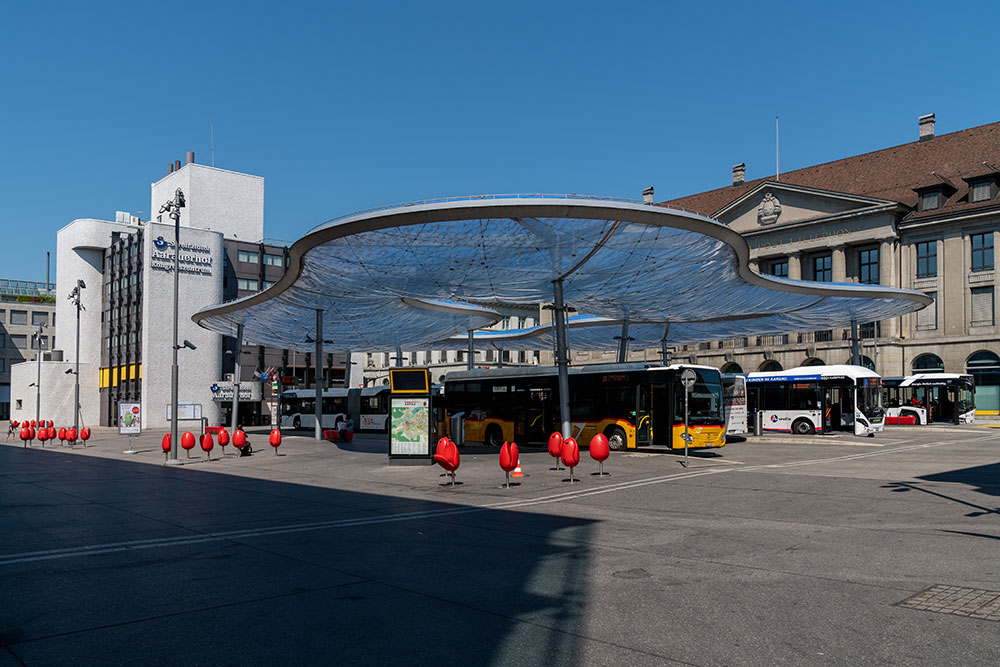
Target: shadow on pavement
x=211, y=568
x=985, y=478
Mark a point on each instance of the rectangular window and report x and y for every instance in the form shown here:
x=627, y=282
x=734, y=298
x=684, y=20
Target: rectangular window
x=927, y=317
x=823, y=268
x=18, y=317
x=779, y=268
x=980, y=191
x=930, y=201
x=982, y=307
x=39, y=318
x=266, y=284
x=927, y=259
x=247, y=257
x=34, y=342
x=868, y=266
x=247, y=284
x=982, y=256
x=273, y=260
x=20, y=341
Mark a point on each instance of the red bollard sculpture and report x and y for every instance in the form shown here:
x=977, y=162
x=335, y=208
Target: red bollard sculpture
x=31, y=433
x=50, y=423
x=239, y=440
x=206, y=444
x=555, y=448
x=34, y=424
x=71, y=436
x=508, y=459
x=25, y=434
x=449, y=459
x=600, y=450
x=85, y=435
x=571, y=457
x=43, y=435
x=275, y=440
x=187, y=442
x=223, y=440
x=51, y=433
x=165, y=446
x=62, y=435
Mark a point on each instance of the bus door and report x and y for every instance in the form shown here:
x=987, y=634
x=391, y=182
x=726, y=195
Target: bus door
x=643, y=414
x=827, y=409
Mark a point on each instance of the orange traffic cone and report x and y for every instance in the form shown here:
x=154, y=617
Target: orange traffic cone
x=517, y=471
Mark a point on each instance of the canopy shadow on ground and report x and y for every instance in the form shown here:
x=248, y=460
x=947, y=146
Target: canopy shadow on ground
x=984, y=478
x=479, y=587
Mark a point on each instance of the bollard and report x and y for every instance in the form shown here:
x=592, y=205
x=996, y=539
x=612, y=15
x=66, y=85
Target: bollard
x=223, y=440
x=508, y=460
x=600, y=450
x=85, y=436
x=206, y=444
x=570, y=457
x=24, y=435
x=275, y=440
x=758, y=420
x=239, y=440
x=51, y=432
x=449, y=459
x=62, y=435
x=165, y=446
x=555, y=448
x=43, y=435
x=187, y=442
x=71, y=436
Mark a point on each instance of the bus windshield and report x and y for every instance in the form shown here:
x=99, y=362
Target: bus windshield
x=870, y=401
x=705, y=406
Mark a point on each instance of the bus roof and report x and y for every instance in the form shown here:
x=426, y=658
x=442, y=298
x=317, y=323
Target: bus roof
x=813, y=373
x=930, y=379
x=335, y=391
x=546, y=371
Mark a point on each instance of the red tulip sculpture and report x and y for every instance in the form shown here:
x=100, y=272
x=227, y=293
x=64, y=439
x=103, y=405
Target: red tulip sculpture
x=239, y=439
x=51, y=432
x=187, y=442
x=43, y=435
x=223, y=440
x=71, y=436
x=62, y=435
x=508, y=459
x=165, y=446
x=448, y=458
x=275, y=440
x=206, y=444
x=570, y=456
x=25, y=435
x=50, y=423
x=555, y=448
x=85, y=435
x=599, y=451
x=31, y=433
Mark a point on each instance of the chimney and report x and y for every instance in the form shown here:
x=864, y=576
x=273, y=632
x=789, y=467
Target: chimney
x=177, y=165
x=647, y=195
x=926, y=124
x=190, y=157
x=170, y=167
x=739, y=172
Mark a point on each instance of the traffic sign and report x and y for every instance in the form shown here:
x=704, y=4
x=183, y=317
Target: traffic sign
x=688, y=378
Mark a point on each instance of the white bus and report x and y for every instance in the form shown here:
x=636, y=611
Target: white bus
x=734, y=399
x=819, y=399
x=930, y=397
x=368, y=407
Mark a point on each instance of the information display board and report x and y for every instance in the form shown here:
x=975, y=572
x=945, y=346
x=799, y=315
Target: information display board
x=409, y=432
x=185, y=411
x=128, y=419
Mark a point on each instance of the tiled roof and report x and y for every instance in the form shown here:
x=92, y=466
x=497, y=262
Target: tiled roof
x=890, y=173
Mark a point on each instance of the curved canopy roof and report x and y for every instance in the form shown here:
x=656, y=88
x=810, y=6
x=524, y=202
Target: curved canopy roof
x=422, y=275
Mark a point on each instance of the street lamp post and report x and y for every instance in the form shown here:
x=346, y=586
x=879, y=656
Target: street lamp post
x=173, y=208
x=75, y=296
x=236, y=377
x=38, y=378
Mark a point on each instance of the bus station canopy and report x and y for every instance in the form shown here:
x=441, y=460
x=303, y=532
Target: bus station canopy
x=422, y=275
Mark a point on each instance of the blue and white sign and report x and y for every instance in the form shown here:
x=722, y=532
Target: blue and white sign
x=160, y=243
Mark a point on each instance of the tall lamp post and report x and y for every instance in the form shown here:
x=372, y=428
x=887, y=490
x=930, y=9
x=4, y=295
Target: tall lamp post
x=38, y=378
x=74, y=296
x=173, y=208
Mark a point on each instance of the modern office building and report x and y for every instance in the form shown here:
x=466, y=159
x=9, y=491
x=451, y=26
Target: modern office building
x=923, y=215
x=24, y=307
x=125, y=270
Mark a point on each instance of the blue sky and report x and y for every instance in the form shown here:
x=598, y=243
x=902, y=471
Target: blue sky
x=342, y=106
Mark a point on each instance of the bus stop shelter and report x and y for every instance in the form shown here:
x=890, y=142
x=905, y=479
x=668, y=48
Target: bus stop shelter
x=430, y=275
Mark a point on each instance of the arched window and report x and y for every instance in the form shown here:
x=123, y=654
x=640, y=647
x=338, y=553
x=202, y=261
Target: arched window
x=770, y=366
x=731, y=367
x=815, y=361
x=867, y=363
x=984, y=367
x=928, y=363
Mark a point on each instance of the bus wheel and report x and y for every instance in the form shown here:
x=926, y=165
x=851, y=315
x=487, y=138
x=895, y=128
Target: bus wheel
x=616, y=439
x=296, y=423
x=802, y=427
x=494, y=437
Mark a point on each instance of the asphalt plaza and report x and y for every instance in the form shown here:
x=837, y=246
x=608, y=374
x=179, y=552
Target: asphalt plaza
x=775, y=550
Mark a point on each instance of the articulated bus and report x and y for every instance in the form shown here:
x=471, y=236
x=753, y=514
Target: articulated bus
x=819, y=399
x=368, y=407
x=634, y=405
x=734, y=397
x=931, y=397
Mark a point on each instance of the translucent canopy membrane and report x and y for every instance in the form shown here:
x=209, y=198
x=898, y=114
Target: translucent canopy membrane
x=421, y=276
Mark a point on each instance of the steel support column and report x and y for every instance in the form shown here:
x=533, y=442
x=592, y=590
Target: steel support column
x=238, y=353
x=472, y=350
x=318, y=362
x=855, y=348
x=562, y=356
x=664, y=351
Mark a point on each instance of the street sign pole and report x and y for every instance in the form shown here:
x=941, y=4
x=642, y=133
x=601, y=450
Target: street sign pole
x=688, y=378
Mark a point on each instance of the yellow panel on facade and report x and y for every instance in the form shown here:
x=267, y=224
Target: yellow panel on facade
x=131, y=372
x=140, y=371
x=114, y=377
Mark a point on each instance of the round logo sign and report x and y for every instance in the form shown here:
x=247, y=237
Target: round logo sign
x=135, y=409
x=159, y=242
x=215, y=388
x=774, y=418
